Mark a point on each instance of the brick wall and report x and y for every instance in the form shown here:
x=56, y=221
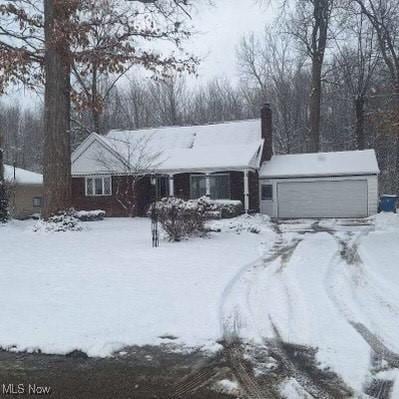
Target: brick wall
x=110, y=204
x=146, y=193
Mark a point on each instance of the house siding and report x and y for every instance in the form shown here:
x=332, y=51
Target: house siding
x=22, y=200
x=372, y=183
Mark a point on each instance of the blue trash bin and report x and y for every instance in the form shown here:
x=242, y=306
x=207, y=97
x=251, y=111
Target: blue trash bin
x=388, y=203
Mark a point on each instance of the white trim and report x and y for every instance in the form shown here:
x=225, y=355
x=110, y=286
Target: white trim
x=207, y=185
x=171, y=186
x=246, y=191
x=102, y=177
x=203, y=171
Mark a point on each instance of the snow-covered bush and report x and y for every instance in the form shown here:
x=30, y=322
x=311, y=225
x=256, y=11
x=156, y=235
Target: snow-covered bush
x=90, y=216
x=180, y=219
x=223, y=209
x=65, y=221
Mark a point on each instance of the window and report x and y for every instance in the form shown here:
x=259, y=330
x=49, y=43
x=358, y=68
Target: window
x=37, y=202
x=267, y=192
x=219, y=186
x=198, y=186
x=162, y=186
x=98, y=186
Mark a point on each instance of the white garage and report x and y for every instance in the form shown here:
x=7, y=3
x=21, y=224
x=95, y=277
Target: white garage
x=320, y=185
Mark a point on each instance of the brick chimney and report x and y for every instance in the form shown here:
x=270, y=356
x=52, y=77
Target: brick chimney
x=267, y=131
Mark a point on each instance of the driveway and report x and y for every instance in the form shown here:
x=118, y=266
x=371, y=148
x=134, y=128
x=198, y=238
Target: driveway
x=313, y=308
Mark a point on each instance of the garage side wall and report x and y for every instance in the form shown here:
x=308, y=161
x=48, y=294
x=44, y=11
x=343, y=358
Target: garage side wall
x=372, y=194
x=271, y=207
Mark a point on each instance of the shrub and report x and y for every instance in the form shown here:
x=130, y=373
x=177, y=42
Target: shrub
x=64, y=221
x=224, y=209
x=89, y=216
x=180, y=219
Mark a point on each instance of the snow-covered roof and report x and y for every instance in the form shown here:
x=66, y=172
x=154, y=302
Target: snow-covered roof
x=321, y=164
x=22, y=176
x=232, y=145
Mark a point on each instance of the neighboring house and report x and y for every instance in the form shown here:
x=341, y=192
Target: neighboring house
x=231, y=160
x=26, y=191
x=335, y=184
x=220, y=161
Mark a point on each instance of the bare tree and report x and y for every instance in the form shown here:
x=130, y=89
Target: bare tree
x=138, y=160
x=310, y=25
x=43, y=44
x=117, y=37
x=384, y=17
x=358, y=61
x=271, y=65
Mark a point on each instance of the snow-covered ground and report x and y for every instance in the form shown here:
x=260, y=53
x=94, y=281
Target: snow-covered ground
x=330, y=285
x=105, y=287
x=335, y=290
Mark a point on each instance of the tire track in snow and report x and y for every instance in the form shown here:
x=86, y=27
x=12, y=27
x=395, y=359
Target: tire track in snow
x=379, y=388
x=231, y=324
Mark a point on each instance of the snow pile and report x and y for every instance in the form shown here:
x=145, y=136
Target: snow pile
x=228, y=387
x=245, y=223
x=387, y=221
x=290, y=389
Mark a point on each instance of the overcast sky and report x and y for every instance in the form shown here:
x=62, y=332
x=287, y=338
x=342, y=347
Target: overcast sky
x=220, y=28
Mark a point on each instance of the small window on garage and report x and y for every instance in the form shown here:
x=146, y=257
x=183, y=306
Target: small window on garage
x=37, y=202
x=267, y=192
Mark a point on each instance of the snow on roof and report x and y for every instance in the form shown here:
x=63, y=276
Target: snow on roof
x=217, y=146
x=22, y=176
x=321, y=164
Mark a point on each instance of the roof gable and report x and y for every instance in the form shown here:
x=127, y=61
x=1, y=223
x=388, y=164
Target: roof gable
x=94, y=156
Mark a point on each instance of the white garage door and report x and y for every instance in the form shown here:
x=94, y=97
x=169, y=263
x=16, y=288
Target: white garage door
x=322, y=198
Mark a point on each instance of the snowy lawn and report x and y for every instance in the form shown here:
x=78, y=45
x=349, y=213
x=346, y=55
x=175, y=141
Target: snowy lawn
x=105, y=287
x=330, y=285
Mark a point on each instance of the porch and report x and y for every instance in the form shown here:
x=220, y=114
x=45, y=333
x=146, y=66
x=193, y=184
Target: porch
x=217, y=185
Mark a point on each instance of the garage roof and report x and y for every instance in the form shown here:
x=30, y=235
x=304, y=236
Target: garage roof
x=321, y=164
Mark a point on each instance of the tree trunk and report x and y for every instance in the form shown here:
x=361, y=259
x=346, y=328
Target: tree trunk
x=396, y=132
x=3, y=190
x=94, y=102
x=57, y=147
x=359, y=129
x=314, y=103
